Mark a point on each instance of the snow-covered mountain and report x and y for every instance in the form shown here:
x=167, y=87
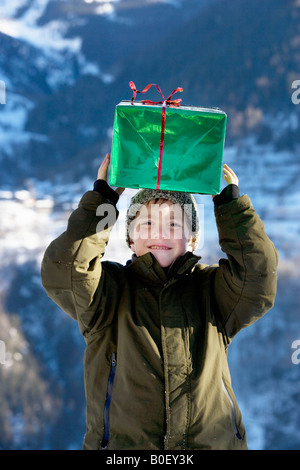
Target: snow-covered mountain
x=65, y=64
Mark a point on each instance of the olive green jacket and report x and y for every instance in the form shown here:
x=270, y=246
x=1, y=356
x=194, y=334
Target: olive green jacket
x=156, y=372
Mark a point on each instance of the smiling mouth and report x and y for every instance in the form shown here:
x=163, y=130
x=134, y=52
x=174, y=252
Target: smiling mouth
x=159, y=247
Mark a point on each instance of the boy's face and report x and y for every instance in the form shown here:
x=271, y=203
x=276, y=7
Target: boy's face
x=161, y=228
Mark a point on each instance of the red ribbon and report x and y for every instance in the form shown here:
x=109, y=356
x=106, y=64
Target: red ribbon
x=164, y=103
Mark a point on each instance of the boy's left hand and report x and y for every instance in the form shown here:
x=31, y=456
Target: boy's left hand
x=229, y=175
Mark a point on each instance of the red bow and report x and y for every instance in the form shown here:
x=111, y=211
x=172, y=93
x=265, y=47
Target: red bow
x=167, y=101
x=164, y=103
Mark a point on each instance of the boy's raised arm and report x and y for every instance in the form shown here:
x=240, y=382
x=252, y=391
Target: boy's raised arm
x=71, y=267
x=245, y=283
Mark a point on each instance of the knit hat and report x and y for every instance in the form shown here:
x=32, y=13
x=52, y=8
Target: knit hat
x=185, y=200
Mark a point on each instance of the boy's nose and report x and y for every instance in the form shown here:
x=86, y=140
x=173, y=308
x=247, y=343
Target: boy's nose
x=160, y=232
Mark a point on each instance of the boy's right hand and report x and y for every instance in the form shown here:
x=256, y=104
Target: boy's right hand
x=103, y=170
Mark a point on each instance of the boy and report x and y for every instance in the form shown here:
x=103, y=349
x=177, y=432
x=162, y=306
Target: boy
x=157, y=329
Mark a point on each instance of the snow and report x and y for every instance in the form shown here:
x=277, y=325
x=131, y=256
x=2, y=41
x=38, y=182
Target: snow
x=52, y=34
x=10, y=7
x=13, y=118
x=14, y=113
x=54, y=46
x=25, y=230
x=56, y=55
x=105, y=7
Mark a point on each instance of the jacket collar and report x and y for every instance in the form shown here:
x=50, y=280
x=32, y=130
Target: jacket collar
x=148, y=267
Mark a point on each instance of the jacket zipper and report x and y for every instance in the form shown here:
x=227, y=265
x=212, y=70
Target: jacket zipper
x=233, y=413
x=111, y=377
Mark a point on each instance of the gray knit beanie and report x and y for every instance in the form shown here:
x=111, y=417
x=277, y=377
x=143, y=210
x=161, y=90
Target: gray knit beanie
x=185, y=200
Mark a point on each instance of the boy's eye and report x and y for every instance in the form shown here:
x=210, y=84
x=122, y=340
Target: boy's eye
x=175, y=224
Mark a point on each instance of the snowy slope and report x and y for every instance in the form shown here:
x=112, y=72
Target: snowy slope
x=50, y=39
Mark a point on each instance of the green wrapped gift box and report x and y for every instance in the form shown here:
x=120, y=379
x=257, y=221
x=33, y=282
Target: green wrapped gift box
x=192, y=153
